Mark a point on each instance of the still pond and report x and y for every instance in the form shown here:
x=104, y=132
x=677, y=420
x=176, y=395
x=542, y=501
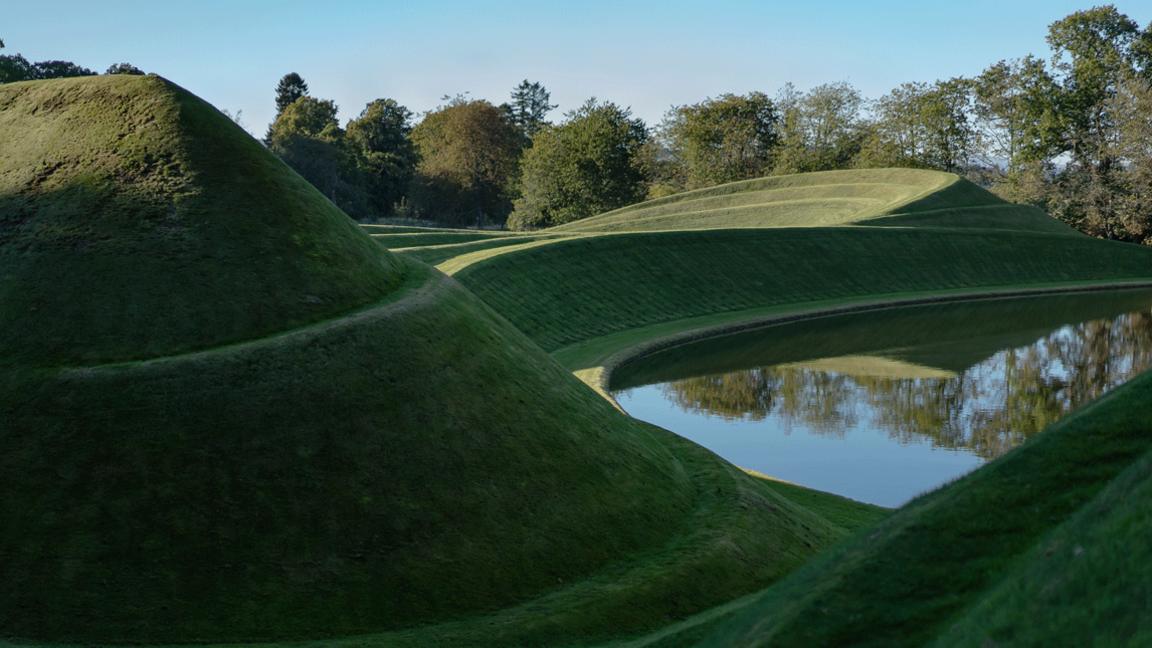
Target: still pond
x=883, y=406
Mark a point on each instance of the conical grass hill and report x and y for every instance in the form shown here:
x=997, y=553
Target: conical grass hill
x=226, y=415
x=135, y=222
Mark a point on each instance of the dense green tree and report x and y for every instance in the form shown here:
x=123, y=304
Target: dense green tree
x=589, y=164
x=819, y=129
x=468, y=164
x=731, y=137
x=17, y=68
x=1016, y=113
x=1094, y=52
x=123, y=68
x=307, y=116
x=922, y=125
x=308, y=137
x=529, y=107
x=1016, y=110
x=14, y=67
x=1132, y=149
x=59, y=70
x=384, y=152
x=290, y=88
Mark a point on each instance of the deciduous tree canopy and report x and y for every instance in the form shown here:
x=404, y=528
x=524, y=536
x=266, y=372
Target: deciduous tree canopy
x=587, y=165
x=731, y=137
x=468, y=164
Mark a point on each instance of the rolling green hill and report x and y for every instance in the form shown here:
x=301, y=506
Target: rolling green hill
x=867, y=197
x=229, y=416
x=570, y=290
x=117, y=222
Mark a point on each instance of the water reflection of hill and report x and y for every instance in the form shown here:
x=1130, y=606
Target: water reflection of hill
x=986, y=393
x=950, y=337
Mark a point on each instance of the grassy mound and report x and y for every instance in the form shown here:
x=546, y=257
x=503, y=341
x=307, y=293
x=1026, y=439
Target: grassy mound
x=228, y=415
x=123, y=235
x=808, y=200
x=1090, y=579
x=893, y=197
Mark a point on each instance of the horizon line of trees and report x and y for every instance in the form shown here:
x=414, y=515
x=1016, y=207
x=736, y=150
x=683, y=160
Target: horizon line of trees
x=1070, y=133
x=14, y=67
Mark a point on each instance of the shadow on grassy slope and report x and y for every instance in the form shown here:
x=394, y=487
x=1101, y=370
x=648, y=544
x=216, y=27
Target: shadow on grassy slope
x=124, y=235
x=807, y=199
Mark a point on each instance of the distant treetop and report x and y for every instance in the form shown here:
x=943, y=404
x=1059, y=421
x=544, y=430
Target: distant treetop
x=291, y=87
x=123, y=68
x=529, y=107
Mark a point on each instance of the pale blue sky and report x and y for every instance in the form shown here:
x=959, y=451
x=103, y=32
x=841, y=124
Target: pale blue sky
x=648, y=55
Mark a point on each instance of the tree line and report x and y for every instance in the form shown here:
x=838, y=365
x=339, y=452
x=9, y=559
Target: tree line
x=14, y=67
x=1070, y=132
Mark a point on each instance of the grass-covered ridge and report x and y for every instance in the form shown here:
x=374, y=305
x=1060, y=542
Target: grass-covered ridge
x=568, y=291
x=864, y=196
x=229, y=416
x=138, y=221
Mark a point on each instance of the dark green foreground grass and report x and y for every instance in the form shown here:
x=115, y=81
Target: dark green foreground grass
x=1046, y=546
x=170, y=521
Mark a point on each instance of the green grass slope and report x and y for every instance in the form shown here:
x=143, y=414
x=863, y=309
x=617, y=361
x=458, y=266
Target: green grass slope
x=118, y=220
x=330, y=441
x=807, y=200
x=1046, y=546
x=882, y=197
x=1090, y=579
x=971, y=563
x=573, y=290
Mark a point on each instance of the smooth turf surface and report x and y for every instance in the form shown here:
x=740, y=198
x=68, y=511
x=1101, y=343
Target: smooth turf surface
x=571, y=290
x=123, y=235
x=230, y=416
x=805, y=200
x=880, y=197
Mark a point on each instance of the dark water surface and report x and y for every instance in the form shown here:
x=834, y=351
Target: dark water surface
x=883, y=406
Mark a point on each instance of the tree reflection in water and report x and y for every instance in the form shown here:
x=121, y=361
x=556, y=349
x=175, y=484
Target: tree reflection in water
x=988, y=408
